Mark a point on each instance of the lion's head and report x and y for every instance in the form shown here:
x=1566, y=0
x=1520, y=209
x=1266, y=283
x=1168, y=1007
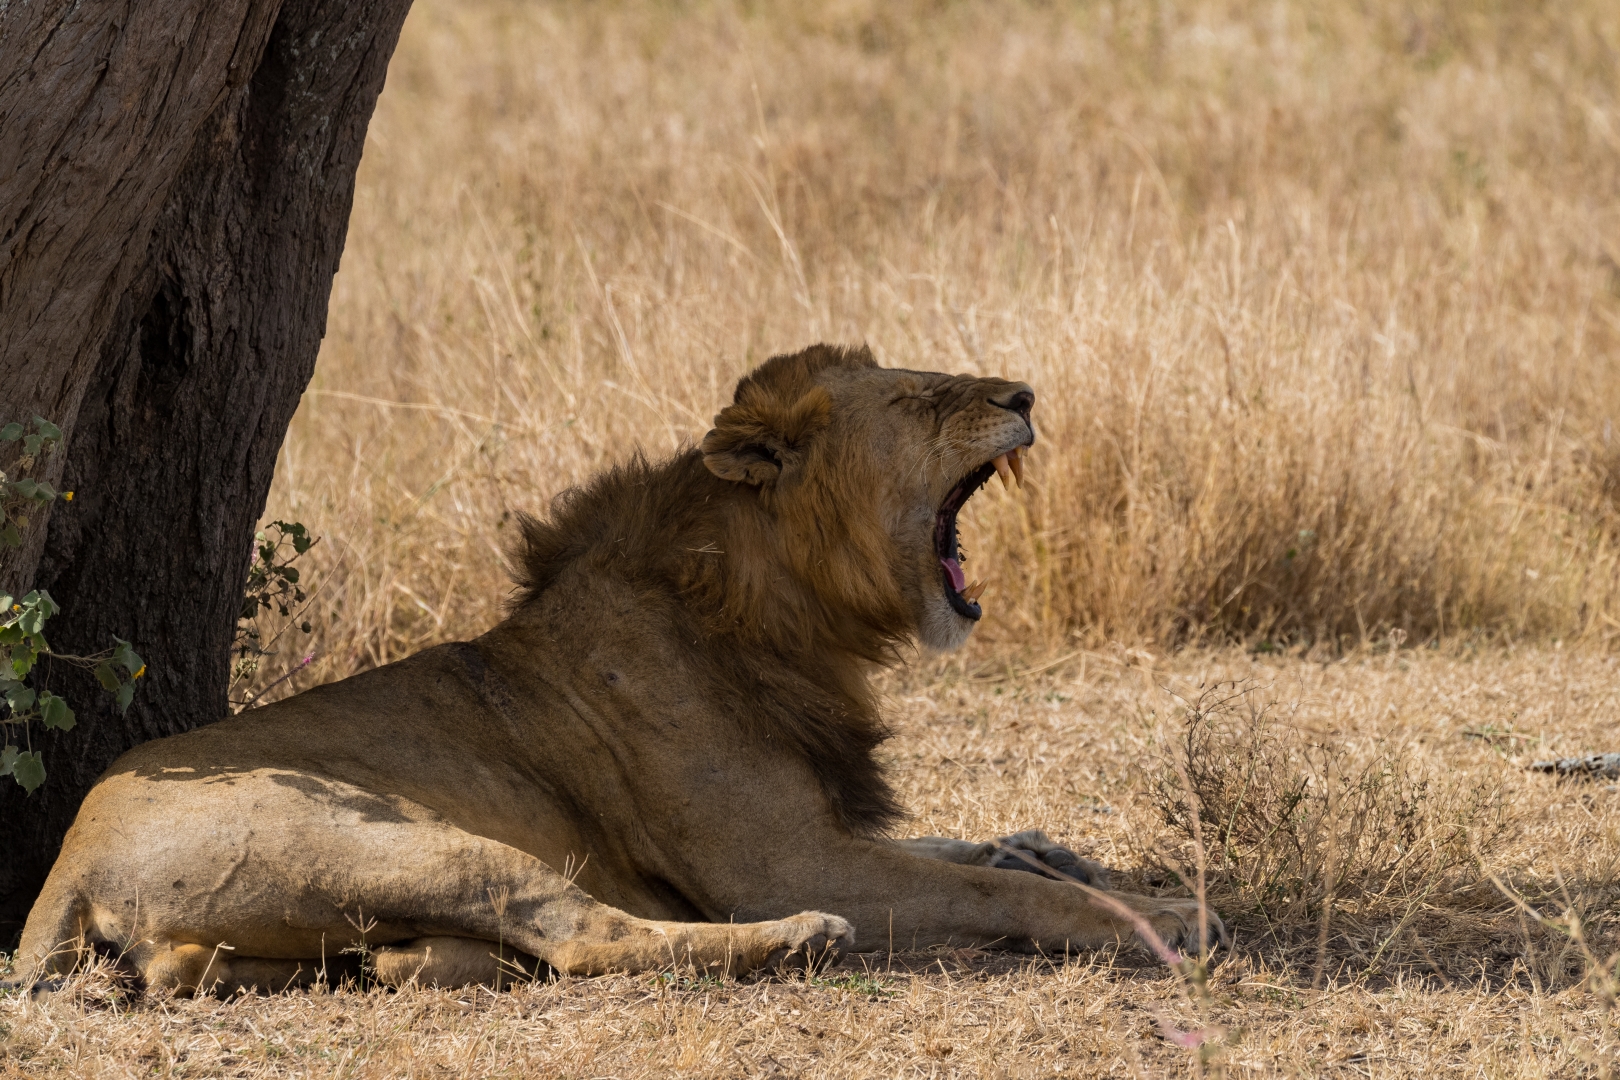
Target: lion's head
x=865, y=469
x=814, y=529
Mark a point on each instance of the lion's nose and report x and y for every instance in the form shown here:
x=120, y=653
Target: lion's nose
x=1020, y=399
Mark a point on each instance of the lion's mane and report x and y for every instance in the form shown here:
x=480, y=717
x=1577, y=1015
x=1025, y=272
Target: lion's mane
x=778, y=595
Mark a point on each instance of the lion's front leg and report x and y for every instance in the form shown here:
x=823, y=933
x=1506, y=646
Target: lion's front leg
x=932, y=891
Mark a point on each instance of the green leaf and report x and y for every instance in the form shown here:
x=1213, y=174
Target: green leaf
x=9, y=536
x=11, y=432
x=55, y=713
x=49, y=606
x=29, y=770
x=47, y=430
x=125, y=695
x=127, y=656
x=20, y=698
x=45, y=492
x=301, y=539
x=31, y=445
x=290, y=573
x=25, y=487
x=107, y=677
x=22, y=662
x=8, y=760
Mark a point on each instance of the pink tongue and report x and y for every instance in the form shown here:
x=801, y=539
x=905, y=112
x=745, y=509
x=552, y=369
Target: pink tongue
x=954, y=569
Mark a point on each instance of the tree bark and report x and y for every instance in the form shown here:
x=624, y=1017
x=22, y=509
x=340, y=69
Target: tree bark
x=175, y=185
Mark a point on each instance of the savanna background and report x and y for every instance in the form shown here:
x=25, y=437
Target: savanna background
x=1320, y=545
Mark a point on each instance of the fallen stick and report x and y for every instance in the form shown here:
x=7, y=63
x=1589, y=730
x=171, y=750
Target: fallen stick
x=1594, y=766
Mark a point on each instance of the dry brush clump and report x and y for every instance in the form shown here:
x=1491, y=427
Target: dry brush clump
x=1349, y=852
x=1327, y=836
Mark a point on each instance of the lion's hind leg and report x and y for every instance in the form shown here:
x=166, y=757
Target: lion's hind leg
x=56, y=939
x=453, y=961
x=188, y=968
x=1017, y=852
x=180, y=966
x=1030, y=850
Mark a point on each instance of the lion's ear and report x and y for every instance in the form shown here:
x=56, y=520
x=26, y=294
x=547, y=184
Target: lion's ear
x=761, y=437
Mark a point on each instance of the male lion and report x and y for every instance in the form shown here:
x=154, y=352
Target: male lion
x=675, y=714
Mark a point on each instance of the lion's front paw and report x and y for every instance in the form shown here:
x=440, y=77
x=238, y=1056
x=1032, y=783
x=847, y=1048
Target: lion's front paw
x=809, y=940
x=1176, y=923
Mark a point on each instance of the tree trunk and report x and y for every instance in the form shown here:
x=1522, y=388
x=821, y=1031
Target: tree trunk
x=175, y=185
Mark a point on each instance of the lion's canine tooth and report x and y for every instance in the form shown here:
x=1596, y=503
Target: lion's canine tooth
x=1003, y=471
x=1015, y=458
x=972, y=593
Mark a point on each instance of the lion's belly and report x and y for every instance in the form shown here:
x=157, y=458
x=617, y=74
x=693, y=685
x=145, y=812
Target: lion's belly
x=260, y=818
x=282, y=863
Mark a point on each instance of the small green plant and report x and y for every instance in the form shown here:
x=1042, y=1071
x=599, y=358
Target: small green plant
x=272, y=578
x=676, y=980
x=272, y=584
x=22, y=620
x=363, y=950
x=862, y=983
x=22, y=496
x=22, y=644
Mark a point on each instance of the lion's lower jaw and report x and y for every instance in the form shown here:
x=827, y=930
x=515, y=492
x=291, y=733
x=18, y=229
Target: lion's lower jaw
x=941, y=628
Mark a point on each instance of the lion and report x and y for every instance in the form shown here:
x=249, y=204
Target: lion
x=663, y=755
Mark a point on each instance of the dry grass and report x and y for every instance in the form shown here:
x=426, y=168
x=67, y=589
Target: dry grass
x=1323, y=307
x=1322, y=304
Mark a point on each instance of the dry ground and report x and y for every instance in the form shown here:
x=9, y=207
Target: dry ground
x=1322, y=303
x=1428, y=978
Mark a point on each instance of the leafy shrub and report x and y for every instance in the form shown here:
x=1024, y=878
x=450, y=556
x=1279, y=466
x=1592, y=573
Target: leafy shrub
x=22, y=621
x=273, y=584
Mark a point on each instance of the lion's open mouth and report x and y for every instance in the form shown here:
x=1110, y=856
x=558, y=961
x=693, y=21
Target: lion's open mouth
x=964, y=598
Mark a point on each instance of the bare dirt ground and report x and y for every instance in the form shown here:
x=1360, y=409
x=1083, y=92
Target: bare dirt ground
x=1423, y=973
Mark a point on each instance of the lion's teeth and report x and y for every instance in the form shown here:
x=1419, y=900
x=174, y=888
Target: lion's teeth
x=1016, y=460
x=1003, y=471
x=972, y=593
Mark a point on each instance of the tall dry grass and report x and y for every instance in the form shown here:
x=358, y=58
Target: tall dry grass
x=1322, y=305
